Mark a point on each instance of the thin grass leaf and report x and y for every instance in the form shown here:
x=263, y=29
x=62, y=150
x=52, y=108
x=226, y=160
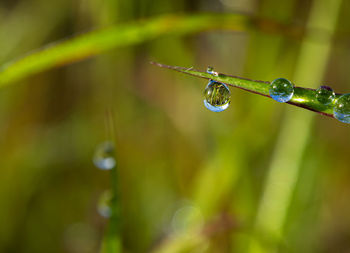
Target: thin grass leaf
x=97, y=42
x=303, y=97
x=112, y=238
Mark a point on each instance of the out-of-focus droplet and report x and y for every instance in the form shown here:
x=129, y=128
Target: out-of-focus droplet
x=104, y=157
x=216, y=96
x=281, y=90
x=186, y=218
x=104, y=204
x=341, y=108
x=325, y=95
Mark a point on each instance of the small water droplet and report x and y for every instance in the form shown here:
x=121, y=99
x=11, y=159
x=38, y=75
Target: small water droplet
x=281, y=90
x=216, y=96
x=104, y=204
x=104, y=158
x=325, y=95
x=210, y=70
x=341, y=108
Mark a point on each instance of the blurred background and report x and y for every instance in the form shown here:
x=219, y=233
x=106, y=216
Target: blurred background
x=258, y=177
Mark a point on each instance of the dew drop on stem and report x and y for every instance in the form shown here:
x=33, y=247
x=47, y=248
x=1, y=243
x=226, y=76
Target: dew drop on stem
x=341, y=110
x=325, y=95
x=281, y=90
x=104, y=157
x=210, y=70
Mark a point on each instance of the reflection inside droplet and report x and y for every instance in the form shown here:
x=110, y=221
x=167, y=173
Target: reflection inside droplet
x=216, y=96
x=281, y=90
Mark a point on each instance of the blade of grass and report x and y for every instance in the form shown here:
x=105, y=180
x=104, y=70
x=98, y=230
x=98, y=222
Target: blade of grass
x=112, y=240
x=303, y=97
x=96, y=42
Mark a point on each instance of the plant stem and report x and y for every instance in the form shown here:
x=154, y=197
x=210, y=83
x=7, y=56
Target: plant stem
x=111, y=240
x=303, y=97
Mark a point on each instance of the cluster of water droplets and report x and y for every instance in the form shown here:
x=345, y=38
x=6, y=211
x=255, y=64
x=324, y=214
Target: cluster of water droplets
x=341, y=105
x=282, y=90
x=217, y=96
x=104, y=159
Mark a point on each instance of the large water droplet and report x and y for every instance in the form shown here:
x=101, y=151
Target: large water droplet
x=104, y=157
x=104, y=204
x=216, y=96
x=325, y=95
x=341, y=108
x=281, y=90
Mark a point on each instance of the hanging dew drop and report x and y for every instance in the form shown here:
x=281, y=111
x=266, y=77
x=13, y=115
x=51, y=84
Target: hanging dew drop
x=341, y=108
x=281, y=90
x=104, y=204
x=104, y=158
x=216, y=96
x=325, y=95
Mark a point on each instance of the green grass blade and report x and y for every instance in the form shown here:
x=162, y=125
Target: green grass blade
x=96, y=42
x=303, y=97
x=112, y=238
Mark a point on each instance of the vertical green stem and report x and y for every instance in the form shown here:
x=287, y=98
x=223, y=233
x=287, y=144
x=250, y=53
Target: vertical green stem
x=112, y=237
x=111, y=243
x=285, y=166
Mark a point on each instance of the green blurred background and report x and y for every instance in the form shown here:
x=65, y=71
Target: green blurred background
x=259, y=177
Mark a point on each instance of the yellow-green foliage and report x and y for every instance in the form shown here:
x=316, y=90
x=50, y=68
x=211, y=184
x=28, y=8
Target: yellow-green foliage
x=258, y=177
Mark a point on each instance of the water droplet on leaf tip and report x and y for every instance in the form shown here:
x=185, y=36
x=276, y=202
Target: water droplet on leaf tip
x=104, y=157
x=341, y=110
x=325, y=95
x=281, y=90
x=217, y=96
